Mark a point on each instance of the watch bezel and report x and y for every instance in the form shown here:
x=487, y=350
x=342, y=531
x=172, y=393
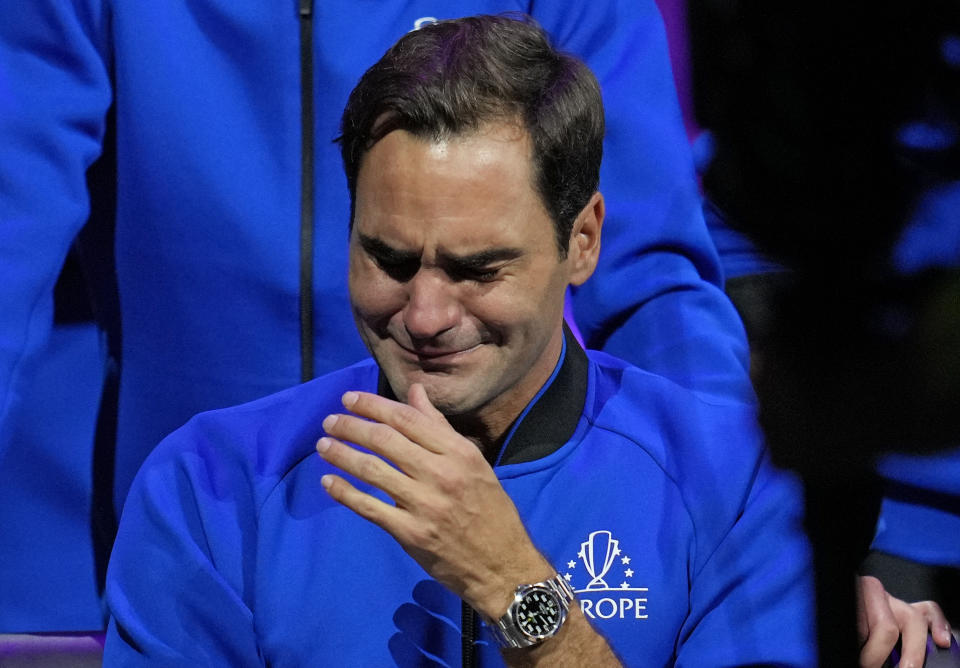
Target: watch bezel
x=507, y=630
x=522, y=594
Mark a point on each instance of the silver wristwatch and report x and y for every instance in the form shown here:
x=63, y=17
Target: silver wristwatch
x=536, y=613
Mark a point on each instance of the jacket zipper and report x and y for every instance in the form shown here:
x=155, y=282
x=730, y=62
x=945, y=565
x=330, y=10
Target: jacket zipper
x=468, y=632
x=307, y=121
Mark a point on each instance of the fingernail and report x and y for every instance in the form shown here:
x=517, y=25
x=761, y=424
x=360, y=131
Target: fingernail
x=330, y=421
x=349, y=399
x=326, y=481
x=323, y=445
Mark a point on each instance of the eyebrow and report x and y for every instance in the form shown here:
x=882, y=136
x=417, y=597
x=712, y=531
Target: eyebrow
x=387, y=253
x=476, y=260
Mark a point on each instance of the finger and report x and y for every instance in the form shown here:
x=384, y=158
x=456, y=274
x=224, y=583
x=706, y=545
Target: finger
x=374, y=436
x=913, y=632
x=883, y=628
x=369, y=507
x=936, y=620
x=863, y=627
x=406, y=420
x=366, y=467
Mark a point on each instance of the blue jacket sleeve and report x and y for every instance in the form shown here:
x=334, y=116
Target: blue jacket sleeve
x=54, y=94
x=751, y=601
x=751, y=578
x=656, y=298
x=179, y=586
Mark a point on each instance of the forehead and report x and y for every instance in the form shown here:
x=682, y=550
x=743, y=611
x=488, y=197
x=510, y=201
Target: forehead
x=463, y=191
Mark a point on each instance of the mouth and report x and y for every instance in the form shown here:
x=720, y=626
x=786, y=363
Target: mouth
x=432, y=356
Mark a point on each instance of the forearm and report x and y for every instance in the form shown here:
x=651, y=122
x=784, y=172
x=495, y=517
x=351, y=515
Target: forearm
x=577, y=644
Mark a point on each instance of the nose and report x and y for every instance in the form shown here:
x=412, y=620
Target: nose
x=432, y=305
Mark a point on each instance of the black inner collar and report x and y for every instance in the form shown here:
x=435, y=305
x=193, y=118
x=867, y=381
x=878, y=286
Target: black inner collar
x=551, y=421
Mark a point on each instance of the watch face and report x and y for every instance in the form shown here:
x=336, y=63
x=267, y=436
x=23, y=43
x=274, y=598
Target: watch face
x=539, y=613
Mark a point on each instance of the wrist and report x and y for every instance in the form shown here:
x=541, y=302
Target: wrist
x=536, y=613
x=495, y=599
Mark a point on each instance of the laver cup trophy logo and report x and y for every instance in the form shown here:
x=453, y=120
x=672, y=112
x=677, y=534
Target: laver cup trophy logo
x=599, y=543
x=605, y=586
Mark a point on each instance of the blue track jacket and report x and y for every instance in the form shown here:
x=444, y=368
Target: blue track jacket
x=684, y=545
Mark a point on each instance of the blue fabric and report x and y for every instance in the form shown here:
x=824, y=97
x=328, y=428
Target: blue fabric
x=920, y=516
x=230, y=552
x=47, y=581
x=932, y=239
x=919, y=525
x=207, y=109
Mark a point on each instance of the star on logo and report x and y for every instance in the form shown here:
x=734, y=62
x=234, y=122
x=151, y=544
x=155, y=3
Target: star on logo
x=628, y=573
x=624, y=585
x=571, y=564
x=625, y=560
x=567, y=577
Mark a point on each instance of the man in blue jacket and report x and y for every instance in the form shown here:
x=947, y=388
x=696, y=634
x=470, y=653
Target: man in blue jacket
x=229, y=252
x=485, y=466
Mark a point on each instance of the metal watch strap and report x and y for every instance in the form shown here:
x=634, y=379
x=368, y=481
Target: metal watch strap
x=509, y=635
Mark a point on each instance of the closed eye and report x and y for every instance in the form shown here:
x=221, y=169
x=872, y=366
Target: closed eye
x=399, y=265
x=482, y=267
x=401, y=271
x=478, y=274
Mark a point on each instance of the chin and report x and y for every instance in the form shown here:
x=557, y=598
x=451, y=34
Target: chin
x=451, y=401
x=444, y=400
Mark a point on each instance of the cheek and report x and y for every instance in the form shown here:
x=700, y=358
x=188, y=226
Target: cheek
x=508, y=308
x=374, y=296
x=531, y=309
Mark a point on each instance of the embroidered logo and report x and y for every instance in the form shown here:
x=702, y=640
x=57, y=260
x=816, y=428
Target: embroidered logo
x=605, y=586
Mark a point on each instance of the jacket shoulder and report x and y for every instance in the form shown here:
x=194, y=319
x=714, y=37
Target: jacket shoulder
x=712, y=452
x=259, y=441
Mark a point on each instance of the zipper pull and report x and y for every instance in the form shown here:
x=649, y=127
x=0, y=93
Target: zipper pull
x=306, y=8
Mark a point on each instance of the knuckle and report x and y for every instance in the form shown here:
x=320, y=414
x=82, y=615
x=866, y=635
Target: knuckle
x=452, y=484
x=369, y=468
x=870, y=584
x=436, y=515
x=380, y=435
x=424, y=535
x=473, y=457
x=366, y=507
x=406, y=417
x=887, y=633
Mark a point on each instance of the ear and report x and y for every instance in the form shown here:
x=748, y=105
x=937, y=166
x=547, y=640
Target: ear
x=584, y=247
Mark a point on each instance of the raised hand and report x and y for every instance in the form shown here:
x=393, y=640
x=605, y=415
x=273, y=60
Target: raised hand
x=450, y=512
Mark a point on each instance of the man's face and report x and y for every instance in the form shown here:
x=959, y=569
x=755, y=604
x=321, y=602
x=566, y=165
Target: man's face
x=455, y=277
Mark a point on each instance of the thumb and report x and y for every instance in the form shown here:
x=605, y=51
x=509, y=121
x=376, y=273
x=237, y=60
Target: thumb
x=417, y=397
